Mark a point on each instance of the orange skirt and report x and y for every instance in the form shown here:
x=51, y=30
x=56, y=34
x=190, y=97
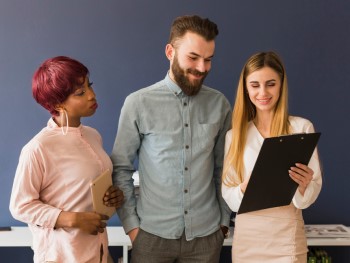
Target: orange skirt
x=270, y=235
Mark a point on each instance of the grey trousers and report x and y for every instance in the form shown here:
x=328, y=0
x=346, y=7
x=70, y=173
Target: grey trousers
x=148, y=248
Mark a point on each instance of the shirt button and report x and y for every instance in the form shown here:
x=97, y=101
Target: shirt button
x=185, y=212
x=186, y=125
x=185, y=104
x=186, y=168
x=186, y=191
x=187, y=146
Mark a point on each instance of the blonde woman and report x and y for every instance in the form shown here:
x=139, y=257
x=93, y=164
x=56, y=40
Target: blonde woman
x=261, y=111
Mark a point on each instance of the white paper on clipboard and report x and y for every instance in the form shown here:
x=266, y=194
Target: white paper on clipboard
x=98, y=188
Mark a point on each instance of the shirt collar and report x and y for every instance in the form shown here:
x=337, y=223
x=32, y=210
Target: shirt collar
x=52, y=125
x=172, y=85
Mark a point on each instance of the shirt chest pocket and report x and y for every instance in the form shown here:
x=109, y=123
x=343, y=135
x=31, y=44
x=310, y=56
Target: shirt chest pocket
x=204, y=136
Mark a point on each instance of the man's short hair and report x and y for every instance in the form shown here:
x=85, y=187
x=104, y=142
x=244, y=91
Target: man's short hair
x=201, y=26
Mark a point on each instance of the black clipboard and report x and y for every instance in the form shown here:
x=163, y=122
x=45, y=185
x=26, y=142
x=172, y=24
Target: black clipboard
x=270, y=185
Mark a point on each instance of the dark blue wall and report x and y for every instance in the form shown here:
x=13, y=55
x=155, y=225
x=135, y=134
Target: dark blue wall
x=122, y=43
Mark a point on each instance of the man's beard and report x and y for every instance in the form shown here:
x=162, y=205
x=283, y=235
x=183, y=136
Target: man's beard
x=188, y=87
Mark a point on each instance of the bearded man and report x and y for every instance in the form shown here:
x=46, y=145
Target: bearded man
x=176, y=130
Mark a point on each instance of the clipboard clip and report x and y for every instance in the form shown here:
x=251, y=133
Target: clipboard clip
x=299, y=133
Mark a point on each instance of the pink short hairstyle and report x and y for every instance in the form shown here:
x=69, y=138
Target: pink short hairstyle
x=55, y=80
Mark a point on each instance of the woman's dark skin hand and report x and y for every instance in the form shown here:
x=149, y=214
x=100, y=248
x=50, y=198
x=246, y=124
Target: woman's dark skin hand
x=88, y=222
x=113, y=197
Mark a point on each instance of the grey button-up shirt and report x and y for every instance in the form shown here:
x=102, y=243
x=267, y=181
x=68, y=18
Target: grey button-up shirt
x=178, y=141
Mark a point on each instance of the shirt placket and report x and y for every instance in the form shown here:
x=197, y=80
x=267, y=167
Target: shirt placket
x=92, y=151
x=187, y=164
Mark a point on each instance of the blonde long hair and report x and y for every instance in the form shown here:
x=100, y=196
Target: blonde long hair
x=244, y=111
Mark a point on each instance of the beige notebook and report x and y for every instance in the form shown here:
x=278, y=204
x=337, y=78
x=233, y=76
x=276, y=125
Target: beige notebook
x=98, y=188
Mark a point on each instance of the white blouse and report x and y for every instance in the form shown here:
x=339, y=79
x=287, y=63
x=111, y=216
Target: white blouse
x=233, y=195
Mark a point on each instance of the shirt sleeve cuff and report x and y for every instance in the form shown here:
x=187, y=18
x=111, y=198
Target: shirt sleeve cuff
x=301, y=201
x=52, y=219
x=130, y=224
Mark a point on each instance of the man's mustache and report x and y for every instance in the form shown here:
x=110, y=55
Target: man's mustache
x=196, y=72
